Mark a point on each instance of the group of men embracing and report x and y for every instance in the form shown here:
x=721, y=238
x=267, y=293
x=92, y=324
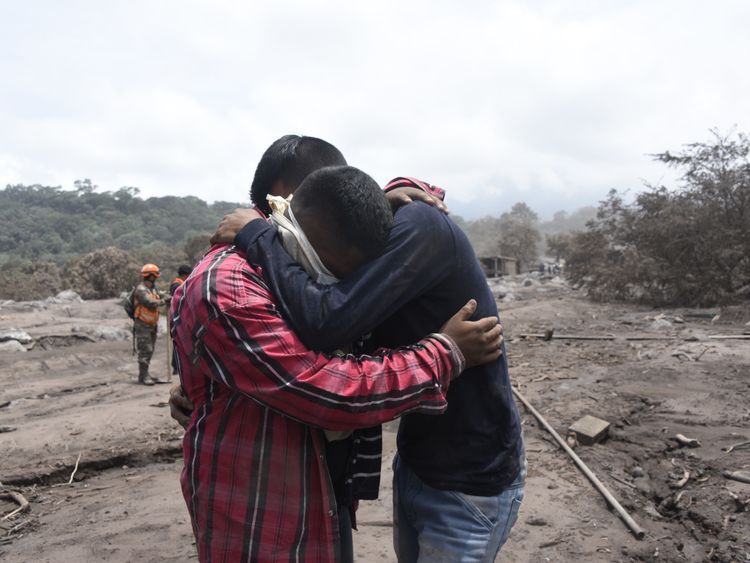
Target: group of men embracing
x=312, y=320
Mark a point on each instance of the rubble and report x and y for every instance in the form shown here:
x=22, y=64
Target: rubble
x=12, y=346
x=107, y=333
x=65, y=296
x=660, y=325
x=20, y=336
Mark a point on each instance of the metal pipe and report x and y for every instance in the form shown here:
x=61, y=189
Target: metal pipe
x=638, y=532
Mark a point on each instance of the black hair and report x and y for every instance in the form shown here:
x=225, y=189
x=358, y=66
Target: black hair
x=290, y=159
x=184, y=270
x=350, y=203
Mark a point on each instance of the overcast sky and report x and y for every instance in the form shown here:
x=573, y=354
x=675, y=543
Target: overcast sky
x=547, y=102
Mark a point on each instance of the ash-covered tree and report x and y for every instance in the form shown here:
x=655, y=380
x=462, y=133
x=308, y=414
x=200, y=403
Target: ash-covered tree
x=25, y=280
x=103, y=273
x=689, y=245
x=483, y=234
x=558, y=245
x=519, y=234
x=196, y=246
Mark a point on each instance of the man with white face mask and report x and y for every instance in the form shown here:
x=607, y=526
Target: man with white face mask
x=255, y=477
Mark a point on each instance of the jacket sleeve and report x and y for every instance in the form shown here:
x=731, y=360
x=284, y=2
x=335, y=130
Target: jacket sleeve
x=419, y=252
x=252, y=350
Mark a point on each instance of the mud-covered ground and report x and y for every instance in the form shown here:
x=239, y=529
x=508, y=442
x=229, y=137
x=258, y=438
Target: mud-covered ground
x=73, y=398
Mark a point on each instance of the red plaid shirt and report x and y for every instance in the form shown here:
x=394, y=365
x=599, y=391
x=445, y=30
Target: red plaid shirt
x=255, y=478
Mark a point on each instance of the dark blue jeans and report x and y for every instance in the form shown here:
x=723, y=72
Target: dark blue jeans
x=430, y=525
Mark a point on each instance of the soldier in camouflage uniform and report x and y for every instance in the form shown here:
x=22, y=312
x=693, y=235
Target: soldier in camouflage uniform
x=147, y=301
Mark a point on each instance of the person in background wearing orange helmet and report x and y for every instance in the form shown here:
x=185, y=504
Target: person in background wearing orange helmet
x=147, y=301
x=182, y=273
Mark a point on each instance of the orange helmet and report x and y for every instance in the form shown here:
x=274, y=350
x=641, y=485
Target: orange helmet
x=150, y=270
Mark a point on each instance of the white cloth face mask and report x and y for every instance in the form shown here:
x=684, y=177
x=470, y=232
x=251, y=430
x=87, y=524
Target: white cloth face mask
x=296, y=242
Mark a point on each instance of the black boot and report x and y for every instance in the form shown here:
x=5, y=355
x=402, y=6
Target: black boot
x=143, y=377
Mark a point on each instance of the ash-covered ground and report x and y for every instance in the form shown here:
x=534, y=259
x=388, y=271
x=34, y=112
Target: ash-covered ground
x=72, y=397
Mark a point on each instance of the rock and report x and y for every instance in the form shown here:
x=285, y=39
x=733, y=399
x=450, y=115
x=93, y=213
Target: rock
x=111, y=333
x=643, y=485
x=508, y=297
x=501, y=288
x=500, y=291
x=12, y=346
x=572, y=440
x=536, y=521
x=104, y=332
x=660, y=325
x=18, y=335
x=528, y=282
x=637, y=471
x=66, y=296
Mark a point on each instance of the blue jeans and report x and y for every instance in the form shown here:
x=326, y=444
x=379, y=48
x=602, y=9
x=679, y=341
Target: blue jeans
x=430, y=525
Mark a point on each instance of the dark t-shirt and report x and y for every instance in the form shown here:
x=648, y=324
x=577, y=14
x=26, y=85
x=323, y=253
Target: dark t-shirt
x=427, y=272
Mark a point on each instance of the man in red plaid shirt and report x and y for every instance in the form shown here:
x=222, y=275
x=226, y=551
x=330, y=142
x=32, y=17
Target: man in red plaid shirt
x=255, y=479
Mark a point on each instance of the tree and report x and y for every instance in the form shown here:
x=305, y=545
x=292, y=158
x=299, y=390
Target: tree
x=483, y=234
x=47, y=223
x=85, y=186
x=558, y=245
x=24, y=280
x=103, y=273
x=519, y=235
x=689, y=245
x=196, y=246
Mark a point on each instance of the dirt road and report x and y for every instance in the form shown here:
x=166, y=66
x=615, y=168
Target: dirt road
x=74, y=394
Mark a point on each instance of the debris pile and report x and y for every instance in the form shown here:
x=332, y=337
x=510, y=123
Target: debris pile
x=15, y=340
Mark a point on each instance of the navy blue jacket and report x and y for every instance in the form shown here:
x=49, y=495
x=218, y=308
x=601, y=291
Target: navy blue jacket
x=427, y=272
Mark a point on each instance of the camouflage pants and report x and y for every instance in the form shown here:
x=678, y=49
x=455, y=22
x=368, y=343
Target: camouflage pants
x=145, y=340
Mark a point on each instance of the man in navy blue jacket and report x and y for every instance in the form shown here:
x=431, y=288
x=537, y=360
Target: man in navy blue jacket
x=458, y=478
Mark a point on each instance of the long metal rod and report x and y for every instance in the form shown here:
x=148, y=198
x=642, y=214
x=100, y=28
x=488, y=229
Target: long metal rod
x=730, y=336
x=638, y=532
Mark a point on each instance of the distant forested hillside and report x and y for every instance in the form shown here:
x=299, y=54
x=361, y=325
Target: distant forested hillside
x=95, y=242
x=50, y=224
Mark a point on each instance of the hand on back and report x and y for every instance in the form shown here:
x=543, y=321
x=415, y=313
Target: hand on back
x=232, y=224
x=480, y=341
x=398, y=197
